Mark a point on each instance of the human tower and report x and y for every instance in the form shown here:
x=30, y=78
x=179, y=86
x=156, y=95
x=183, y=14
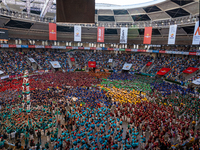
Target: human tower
x=26, y=90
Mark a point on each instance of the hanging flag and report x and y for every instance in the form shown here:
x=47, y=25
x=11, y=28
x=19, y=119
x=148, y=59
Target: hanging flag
x=52, y=31
x=147, y=35
x=77, y=33
x=163, y=71
x=190, y=70
x=100, y=34
x=149, y=64
x=172, y=34
x=72, y=59
x=123, y=35
x=196, y=36
x=110, y=60
x=127, y=66
x=92, y=64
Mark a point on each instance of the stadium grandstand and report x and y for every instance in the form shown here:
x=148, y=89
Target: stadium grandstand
x=79, y=75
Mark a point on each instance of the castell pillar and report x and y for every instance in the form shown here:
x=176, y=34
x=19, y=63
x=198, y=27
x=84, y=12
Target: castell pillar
x=26, y=90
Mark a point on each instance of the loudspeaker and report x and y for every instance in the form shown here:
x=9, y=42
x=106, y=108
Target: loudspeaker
x=75, y=11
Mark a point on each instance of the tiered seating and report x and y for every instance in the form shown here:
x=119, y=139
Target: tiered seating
x=177, y=64
x=12, y=62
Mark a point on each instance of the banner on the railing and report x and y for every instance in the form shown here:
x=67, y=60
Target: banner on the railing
x=149, y=64
x=31, y=60
x=147, y=35
x=190, y=70
x=197, y=81
x=110, y=60
x=52, y=31
x=92, y=64
x=163, y=71
x=55, y=64
x=172, y=34
x=77, y=33
x=100, y=34
x=1, y=72
x=123, y=35
x=72, y=59
x=196, y=35
x=127, y=66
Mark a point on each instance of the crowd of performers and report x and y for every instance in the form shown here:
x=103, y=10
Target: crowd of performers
x=105, y=116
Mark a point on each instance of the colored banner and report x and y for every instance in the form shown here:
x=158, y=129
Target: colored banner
x=68, y=47
x=172, y=34
x=162, y=52
x=87, y=48
x=72, y=59
x=141, y=50
x=92, y=64
x=24, y=46
x=127, y=66
x=77, y=33
x=149, y=64
x=196, y=35
x=128, y=50
x=197, y=81
x=47, y=46
x=55, y=64
x=123, y=35
x=12, y=46
x=31, y=46
x=163, y=71
x=192, y=53
x=52, y=31
x=110, y=49
x=190, y=70
x=92, y=48
x=100, y=34
x=147, y=35
x=31, y=60
x=110, y=60
x=155, y=51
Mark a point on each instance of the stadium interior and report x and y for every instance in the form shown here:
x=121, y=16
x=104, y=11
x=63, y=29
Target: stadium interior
x=128, y=80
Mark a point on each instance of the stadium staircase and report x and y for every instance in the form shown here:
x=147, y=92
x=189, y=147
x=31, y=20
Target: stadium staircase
x=146, y=69
x=34, y=66
x=70, y=63
x=187, y=77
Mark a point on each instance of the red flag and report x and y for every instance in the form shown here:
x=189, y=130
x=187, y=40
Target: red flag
x=147, y=35
x=149, y=64
x=163, y=71
x=190, y=70
x=92, y=64
x=72, y=59
x=52, y=31
x=100, y=34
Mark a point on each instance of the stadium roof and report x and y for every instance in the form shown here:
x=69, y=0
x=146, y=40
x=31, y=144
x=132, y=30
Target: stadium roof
x=153, y=10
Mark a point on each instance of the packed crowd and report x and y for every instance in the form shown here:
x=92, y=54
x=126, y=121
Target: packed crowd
x=43, y=58
x=83, y=111
x=14, y=62
x=176, y=64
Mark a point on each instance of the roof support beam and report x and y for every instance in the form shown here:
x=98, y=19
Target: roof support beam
x=28, y=6
x=46, y=7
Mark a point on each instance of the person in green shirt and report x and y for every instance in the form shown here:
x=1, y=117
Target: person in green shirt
x=47, y=145
x=26, y=142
